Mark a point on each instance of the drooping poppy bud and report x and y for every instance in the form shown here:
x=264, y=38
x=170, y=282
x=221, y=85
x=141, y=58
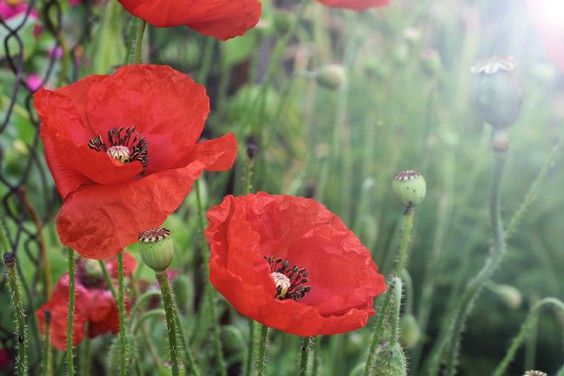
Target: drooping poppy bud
x=156, y=248
x=390, y=360
x=510, y=296
x=498, y=94
x=409, y=188
x=410, y=333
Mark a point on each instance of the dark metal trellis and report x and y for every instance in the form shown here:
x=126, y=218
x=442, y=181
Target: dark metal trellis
x=21, y=216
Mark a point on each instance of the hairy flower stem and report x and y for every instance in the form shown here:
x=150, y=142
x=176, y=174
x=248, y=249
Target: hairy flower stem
x=185, y=345
x=208, y=293
x=170, y=314
x=123, y=350
x=15, y=294
x=261, y=349
x=304, y=357
x=526, y=329
x=70, y=316
x=47, y=350
x=451, y=336
x=250, y=348
x=407, y=228
x=396, y=312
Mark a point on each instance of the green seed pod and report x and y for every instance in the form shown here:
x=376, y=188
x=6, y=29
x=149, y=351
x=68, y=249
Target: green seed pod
x=409, y=188
x=410, y=333
x=331, y=76
x=90, y=273
x=156, y=248
x=498, y=94
x=390, y=360
x=510, y=296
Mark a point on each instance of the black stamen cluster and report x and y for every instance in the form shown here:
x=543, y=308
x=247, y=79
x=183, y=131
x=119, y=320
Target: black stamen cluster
x=297, y=276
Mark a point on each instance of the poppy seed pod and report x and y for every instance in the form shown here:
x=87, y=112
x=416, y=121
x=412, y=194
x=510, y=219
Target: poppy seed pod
x=498, y=94
x=409, y=188
x=410, y=332
x=510, y=296
x=156, y=248
x=390, y=360
x=331, y=76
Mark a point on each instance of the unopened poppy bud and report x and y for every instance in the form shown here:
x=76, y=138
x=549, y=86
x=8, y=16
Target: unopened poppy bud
x=409, y=188
x=410, y=333
x=9, y=259
x=331, y=76
x=390, y=360
x=497, y=91
x=90, y=273
x=252, y=147
x=535, y=373
x=156, y=248
x=510, y=296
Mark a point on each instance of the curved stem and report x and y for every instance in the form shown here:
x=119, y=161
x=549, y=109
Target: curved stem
x=70, y=316
x=474, y=287
x=122, y=318
x=304, y=358
x=108, y=279
x=170, y=314
x=525, y=329
x=261, y=349
x=397, y=287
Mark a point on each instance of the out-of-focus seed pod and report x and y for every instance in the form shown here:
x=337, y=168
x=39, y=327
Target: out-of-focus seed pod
x=410, y=333
x=331, y=76
x=401, y=53
x=282, y=21
x=431, y=61
x=156, y=248
x=183, y=291
x=90, y=273
x=510, y=296
x=498, y=94
x=390, y=360
x=409, y=188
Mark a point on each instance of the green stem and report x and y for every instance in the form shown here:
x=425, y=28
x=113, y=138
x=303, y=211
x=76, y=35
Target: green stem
x=316, y=344
x=250, y=348
x=397, y=287
x=378, y=331
x=15, y=294
x=170, y=314
x=208, y=293
x=136, y=48
x=453, y=331
x=532, y=193
x=47, y=350
x=85, y=358
x=304, y=358
x=526, y=328
x=108, y=279
x=70, y=316
x=261, y=349
x=406, y=230
x=185, y=345
x=122, y=318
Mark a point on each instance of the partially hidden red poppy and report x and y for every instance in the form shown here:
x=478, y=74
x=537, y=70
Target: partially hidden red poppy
x=123, y=152
x=96, y=311
x=355, y=4
x=291, y=264
x=547, y=17
x=221, y=19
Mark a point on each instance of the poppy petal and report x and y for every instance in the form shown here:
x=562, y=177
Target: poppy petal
x=221, y=19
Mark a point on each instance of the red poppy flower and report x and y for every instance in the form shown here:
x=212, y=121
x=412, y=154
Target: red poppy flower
x=221, y=19
x=326, y=279
x=123, y=152
x=355, y=4
x=548, y=18
x=96, y=312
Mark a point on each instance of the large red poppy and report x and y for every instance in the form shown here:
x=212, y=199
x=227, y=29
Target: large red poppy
x=96, y=312
x=326, y=278
x=355, y=4
x=124, y=154
x=547, y=17
x=221, y=19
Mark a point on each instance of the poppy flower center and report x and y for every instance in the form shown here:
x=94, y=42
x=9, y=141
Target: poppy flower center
x=290, y=280
x=123, y=144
